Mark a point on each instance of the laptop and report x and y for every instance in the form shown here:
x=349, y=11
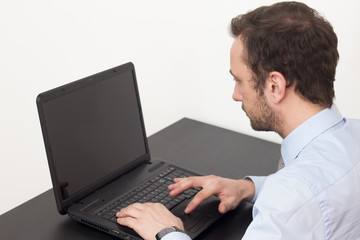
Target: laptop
x=99, y=158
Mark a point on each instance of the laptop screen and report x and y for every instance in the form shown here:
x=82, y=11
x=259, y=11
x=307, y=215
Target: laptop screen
x=93, y=130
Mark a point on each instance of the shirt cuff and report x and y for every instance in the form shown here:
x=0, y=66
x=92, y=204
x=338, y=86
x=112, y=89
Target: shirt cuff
x=258, y=183
x=176, y=236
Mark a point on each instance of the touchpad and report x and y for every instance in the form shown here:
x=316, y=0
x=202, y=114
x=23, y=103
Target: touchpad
x=202, y=217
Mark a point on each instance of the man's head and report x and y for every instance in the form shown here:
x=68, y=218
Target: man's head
x=255, y=105
x=292, y=39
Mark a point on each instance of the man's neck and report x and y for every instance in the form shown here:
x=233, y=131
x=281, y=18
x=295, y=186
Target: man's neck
x=297, y=113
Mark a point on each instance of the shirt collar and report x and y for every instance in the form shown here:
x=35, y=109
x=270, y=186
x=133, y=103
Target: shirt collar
x=307, y=131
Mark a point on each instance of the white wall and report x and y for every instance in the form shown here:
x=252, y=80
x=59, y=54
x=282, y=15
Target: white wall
x=180, y=50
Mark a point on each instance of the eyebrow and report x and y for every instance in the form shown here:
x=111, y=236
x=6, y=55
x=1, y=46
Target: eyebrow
x=235, y=78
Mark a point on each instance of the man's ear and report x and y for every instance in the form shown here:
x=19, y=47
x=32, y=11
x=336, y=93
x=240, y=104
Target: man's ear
x=276, y=86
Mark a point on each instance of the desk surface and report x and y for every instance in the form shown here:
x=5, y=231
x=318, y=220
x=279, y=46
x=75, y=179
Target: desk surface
x=187, y=143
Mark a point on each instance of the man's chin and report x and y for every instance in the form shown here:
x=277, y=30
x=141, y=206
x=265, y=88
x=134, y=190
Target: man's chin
x=260, y=127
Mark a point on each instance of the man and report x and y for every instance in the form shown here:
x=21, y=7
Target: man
x=283, y=60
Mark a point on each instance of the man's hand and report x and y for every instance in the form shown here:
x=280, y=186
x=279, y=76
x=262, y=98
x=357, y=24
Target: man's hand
x=148, y=219
x=230, y=192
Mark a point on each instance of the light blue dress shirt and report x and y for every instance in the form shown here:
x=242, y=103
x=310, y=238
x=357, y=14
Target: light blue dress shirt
x=176, y=236
x=317, y=194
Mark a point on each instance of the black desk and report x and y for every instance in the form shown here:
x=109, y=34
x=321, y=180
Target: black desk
x=204, y=148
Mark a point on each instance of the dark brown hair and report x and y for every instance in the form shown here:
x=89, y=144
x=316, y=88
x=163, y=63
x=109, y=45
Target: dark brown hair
x=293, y=39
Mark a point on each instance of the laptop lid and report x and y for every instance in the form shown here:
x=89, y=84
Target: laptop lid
x=103, y=108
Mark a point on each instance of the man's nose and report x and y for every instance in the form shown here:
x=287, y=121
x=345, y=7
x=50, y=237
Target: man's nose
x=236, y=94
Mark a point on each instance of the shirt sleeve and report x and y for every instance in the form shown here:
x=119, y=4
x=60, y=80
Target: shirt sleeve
x=176, y=236
x=258, y=183
x=285, y=209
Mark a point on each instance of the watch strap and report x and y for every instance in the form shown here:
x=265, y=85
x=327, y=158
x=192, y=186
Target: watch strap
x=166, y=231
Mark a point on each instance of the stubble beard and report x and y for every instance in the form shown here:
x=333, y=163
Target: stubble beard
x=263, y=118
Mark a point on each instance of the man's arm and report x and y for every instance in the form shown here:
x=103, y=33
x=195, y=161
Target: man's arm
x=258, y=184
x=285, y=209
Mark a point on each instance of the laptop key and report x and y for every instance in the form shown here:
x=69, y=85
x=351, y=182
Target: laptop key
x=155, y=191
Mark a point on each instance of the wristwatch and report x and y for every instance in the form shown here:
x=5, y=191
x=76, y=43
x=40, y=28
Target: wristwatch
x=167, y=230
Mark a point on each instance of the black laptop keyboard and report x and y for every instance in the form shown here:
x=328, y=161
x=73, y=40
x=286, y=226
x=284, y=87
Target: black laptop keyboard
x=155, y=191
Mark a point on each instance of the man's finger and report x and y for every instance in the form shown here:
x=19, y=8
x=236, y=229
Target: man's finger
x=130, y=211
x=199, y=198
x=182, y=184
x=127, y=221
x=222, y=208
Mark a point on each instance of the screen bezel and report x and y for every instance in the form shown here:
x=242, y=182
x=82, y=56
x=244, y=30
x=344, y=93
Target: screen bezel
x=62, y=202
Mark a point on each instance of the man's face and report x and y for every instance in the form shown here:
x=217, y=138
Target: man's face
x=256, y=107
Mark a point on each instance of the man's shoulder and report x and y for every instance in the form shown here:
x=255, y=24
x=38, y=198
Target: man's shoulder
x=335, y=151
